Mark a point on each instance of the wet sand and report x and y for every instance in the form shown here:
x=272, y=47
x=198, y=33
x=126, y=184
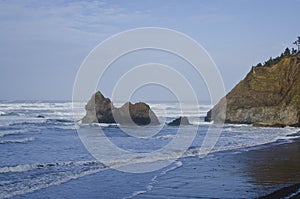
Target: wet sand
x=276, y=167
x=291, y=192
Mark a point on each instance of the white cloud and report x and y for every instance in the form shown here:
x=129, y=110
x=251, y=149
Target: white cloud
x=72, y=20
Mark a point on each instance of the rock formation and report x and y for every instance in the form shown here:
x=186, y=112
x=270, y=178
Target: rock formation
x=139, y=113
x=101, y=110
x=267, y=96
x=180, y=121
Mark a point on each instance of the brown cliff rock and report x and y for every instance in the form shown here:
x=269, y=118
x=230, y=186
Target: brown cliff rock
x=267, y=96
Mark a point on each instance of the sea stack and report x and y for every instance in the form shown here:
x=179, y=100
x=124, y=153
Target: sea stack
x=140, y=113
x=268, y=96
x=100, y=109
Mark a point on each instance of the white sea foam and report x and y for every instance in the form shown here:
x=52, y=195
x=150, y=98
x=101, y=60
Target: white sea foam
x=11, y=132
x=43, y=181
x=164, y=137
x=49, y=110
x=254, y=143
x=11, y=113
x=29, y=139
x=29, y=167
x=176, y=166
x=60, y=172
x=154, y=180
x=292, y=195
x=136, y=193
x=173, y=110
x=18, y=168
x=103, y=124
x=81, y=125
x=198, y=123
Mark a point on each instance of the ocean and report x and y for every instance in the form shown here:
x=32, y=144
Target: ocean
x=42, y=156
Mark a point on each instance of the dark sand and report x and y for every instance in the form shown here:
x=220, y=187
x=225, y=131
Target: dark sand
x=276, y=166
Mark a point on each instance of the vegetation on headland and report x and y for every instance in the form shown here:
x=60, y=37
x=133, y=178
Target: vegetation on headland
x=287, y=52
x=268, y=96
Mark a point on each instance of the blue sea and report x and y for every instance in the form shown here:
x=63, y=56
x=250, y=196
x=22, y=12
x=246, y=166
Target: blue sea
x=42, y=156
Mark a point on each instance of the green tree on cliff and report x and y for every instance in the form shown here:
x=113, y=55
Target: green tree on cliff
x=287, y=52
x=297, y=42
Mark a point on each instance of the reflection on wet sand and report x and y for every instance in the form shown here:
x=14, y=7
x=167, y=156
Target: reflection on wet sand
x=276, y=166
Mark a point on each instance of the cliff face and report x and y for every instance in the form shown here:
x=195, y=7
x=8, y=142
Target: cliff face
x=266, y=96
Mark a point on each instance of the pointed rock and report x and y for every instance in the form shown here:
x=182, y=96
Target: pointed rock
x=180, y=121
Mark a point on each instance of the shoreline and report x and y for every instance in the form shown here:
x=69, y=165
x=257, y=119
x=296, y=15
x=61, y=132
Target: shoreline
x=270, y=171
x=292, y=191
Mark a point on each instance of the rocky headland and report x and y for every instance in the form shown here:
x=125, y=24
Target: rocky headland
x=268, y=96
x=100, y=109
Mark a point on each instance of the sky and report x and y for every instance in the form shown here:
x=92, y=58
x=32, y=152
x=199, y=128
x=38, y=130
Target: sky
x=43, y=43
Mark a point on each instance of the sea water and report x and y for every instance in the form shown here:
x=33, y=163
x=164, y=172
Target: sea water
x=42, y=156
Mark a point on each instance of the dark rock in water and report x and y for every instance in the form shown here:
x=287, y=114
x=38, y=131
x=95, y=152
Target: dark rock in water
x=40, y=116
x=267, y=96
x=139, y=113
x=180, y=121
x=101, y=110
